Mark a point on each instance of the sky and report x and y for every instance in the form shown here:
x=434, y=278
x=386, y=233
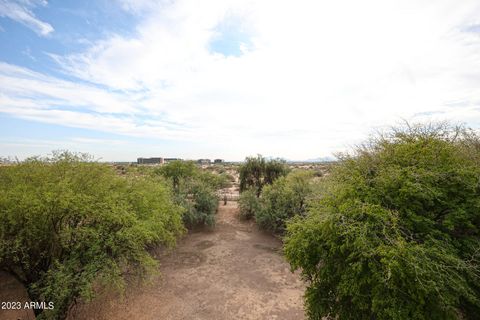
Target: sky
x=122, y=79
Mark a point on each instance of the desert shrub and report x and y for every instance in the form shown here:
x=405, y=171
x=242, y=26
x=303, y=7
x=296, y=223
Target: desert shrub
x=395, y=231
x=194, y=190
x=318, y=173
x=140, y=170
x=183, y=173
x=201, y=205
x=214, y=180
x=178, y=171
x=68, y=223
x=284, y=199
x=257, y=172
x=248, y=204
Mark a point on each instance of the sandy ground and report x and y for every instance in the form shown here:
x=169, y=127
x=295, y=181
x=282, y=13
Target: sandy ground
x=13, y=291
x=233, y=271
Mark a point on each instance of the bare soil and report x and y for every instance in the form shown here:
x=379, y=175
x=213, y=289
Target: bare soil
x=233, y=271
x=12, y=290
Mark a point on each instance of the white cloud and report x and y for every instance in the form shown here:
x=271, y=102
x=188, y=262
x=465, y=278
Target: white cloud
x=21, y=11
x=141, y=6
x=46, y=92
x=24, y=148
x=317, y=77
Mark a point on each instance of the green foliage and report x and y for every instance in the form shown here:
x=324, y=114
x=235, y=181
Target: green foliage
x=195, y=191
x=214, y=180
x=68, y=223
x=248, y=204
x=251, y=174
x=257, y=172
x=201, y=206
x=177, y=171
x=395, y=230
x=284, y=199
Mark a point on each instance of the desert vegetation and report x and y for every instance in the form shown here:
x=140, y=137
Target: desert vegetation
x=256, y=172
x=393, y=231
x=71, y=225
x=195, y=190
x=389, y=231
x=285, y=198
x=272, y=192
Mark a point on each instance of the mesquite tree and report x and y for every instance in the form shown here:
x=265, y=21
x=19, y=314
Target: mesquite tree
x=70, y=224
x=257, y=172
x=395, y=230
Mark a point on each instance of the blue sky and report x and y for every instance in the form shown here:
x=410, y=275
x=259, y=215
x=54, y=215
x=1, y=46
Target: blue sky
x=122, y=79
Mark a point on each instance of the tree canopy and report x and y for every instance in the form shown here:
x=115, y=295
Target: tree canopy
x=68, y=223
x=258, y=171
x=194, y=190
x=394, y=232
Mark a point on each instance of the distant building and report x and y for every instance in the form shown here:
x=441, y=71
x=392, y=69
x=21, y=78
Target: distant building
x=150, y=160
x=218, y=161
x=166, y=160
x=204, y=161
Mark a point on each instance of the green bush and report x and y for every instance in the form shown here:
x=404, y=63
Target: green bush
x=194, y=190
x=178, y=171
x=248, y=204
x=201, y=204
x=214, y=180
x=284, y=199
x=68, y=224
x=394, y=233
x=257, y=172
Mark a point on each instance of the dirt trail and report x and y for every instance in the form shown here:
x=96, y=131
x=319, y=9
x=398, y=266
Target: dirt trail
x=234, y=271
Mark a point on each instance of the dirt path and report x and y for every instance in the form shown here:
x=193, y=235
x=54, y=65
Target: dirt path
x=232, y=272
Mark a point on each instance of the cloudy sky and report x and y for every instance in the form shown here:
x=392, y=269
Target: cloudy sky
x=218, y=78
